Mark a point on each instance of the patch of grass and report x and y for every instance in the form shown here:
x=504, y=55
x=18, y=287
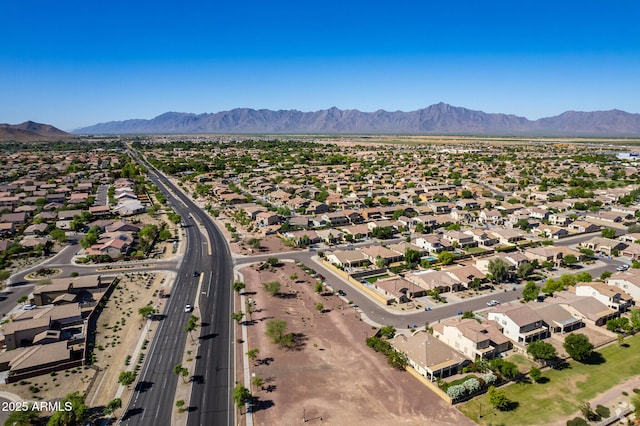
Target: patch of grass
x=564, y=392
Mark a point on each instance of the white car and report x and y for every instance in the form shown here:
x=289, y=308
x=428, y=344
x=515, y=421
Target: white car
x=493, y=302
x=188, y=308
x=29, y=307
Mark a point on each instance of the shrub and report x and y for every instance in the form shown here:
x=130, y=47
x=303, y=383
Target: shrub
x=456, y=392
x=489, y=378
x=472, y=385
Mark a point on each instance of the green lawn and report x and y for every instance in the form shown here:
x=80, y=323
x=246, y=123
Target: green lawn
x=523, y=363
x=566, y=389
x=372, y=280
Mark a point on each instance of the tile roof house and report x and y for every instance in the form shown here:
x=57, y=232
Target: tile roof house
x=471, y=338
x=628, y=281
x=430, y=357
x=609, y=295
x=520, y=323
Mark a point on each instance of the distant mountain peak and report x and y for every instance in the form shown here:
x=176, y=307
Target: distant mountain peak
x=440, y=118
x=31, y=131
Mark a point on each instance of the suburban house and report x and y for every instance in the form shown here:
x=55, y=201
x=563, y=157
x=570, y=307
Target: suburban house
x=556, y=318
x=129, y=208
x=471, y=338
x=490, y=216
x=603, y=245
x=442, y=281
x=590, y=310
x=347, y=258
x=520, y=323
x=628, y=281
x=430, y=357
x=583, y=226
x=433, y=243
x=380, y=252
x=398, y=290
x=609, y=295
x=267, y=218
x=460, y=239
x=544, y=254
x=481, y=237
x=25, y=326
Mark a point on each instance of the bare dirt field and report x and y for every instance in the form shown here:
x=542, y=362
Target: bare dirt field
x=330, y=376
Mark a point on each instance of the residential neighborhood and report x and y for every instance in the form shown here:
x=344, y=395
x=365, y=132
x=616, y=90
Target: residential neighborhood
x=475, y=255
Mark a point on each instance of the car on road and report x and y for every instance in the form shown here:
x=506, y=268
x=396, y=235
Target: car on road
x=493, y=302
x=29, y=307
x=188, y=308
x=195, y=273
x=341, y=293
x=622, y=268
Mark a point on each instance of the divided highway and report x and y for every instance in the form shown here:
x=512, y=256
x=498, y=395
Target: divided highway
x=154, y=396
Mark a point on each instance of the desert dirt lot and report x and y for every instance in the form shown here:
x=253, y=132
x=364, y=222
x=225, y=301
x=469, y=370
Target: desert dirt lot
x=330, y=376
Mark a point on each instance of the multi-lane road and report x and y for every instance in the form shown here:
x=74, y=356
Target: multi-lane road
x=207, y=254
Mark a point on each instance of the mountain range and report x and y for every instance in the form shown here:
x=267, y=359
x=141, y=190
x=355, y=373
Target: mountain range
x=30, y=131
x=436, y=119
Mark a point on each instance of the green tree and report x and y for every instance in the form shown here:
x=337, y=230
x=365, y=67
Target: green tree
x=276, y=331
x=530, y=291
x=146, y=311
x=237, y=316
x=397, y=360
x=605, y=275
x=59, y=235
x=499, y=269
x=238, y=286
x=23, y=417
x=258, y=382
x=446, y=258
x=252, y=354
x=388, y=331
x=535, y=374
x=112, y=406
x=380, y=262
x=319, y=307
x=498, y=399
x=569, y=260
x=578, y=346
x=76, y=416
x=411, y=256
x=318, y=287
x=241, y=396
x=126, y=378
x=542, y=351
x=192, y=325
x=272, y=261
x=583, y=277
x=524, y=270
x=272, y=287
x=181, y=371
x=608, y=233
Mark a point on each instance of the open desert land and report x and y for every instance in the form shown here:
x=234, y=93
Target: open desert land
x=329, y=375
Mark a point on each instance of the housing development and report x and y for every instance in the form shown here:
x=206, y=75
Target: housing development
x=276, y=280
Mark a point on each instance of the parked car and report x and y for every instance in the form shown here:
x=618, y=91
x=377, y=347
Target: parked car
x=29, y=307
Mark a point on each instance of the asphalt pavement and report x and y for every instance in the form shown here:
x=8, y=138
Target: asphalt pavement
x=213, y=378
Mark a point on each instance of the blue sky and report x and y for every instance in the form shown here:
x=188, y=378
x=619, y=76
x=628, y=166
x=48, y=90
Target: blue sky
x=77, y=63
